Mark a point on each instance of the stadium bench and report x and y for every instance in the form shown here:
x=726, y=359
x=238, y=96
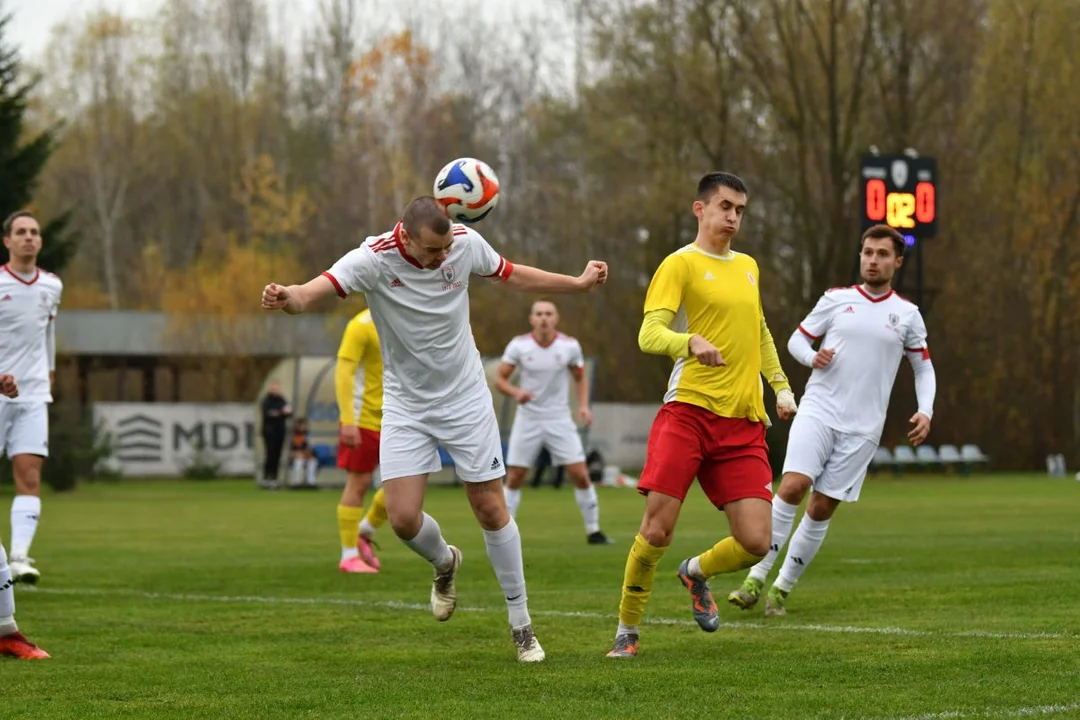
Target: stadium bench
x=326, y=456
x=972, y=455
x=903, y=456
x=927, y=456
x=882, y=459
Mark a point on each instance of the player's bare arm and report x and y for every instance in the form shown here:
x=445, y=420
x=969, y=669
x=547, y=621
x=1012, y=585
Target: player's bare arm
x=295, y=299
x=581, y=385
x=534, y=280
x=503, y=384
x=8, y=386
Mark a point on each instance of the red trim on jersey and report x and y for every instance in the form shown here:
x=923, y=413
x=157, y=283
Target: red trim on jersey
x=504, y=271
x=37, y=274
x=337, y=285
x=924, y=352
x=461, y=230
x=871, y=298
x=396, y=236
x=537, y=340
x=806, y=332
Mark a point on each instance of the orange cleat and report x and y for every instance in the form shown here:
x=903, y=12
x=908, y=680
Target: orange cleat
x=367, y=552
x=355, y=565
x=16, y=645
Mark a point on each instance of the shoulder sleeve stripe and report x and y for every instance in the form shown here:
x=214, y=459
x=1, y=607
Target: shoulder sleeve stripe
x=336, y=284
x=807, y=333
x=924, y=353
x=504, y=271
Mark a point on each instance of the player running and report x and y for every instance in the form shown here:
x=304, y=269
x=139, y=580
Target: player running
x=359, y=385
x=12, y=642
x=712, y=423
x=547, y=359
x=416, y=280
x=29, y=298
x=864, y=331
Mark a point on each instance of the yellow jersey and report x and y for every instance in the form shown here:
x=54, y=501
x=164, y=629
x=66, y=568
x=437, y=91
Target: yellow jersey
x=358, y=377
x=718, y=298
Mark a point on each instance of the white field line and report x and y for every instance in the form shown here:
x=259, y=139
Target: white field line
x=587, y=615
x=1022, y=712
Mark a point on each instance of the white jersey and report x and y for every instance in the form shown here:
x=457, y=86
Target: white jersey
x=27, y=308
x=422, y=316
x=545, y=372
x=870, y=335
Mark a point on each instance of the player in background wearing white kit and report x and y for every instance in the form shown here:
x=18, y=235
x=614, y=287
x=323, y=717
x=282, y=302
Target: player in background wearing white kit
x=415, y=279
x=864, y=330
x=29, y=298
x=547, y=359
x=12, y=642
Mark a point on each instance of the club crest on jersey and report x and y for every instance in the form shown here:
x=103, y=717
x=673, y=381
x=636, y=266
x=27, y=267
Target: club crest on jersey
x=44, y=298
x=449, y=273
x=894, y=319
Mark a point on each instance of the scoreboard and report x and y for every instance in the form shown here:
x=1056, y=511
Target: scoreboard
x=900, y=192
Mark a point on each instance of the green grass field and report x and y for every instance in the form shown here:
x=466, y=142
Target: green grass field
x=932, y=598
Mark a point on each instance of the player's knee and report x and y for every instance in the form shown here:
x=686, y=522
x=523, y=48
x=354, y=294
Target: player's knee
x=515, y=477
x=793, y=488
x=579, y=475
x=405, y=523
x=657, y=530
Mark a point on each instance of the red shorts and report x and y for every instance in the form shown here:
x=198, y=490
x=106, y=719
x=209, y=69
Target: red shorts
x=362, y=459
x=728, y=456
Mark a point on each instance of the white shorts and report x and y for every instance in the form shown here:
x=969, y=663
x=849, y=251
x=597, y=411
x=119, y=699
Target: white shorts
x=24, y=428
x=835, y=462
x=468, y=430
x=559, y=435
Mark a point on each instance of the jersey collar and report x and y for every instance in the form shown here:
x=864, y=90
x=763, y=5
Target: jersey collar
x=874, y=298
x=401, y=247
x=31, y=281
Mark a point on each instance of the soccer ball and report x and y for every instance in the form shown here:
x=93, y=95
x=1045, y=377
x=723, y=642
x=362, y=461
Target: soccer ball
x=468, y=189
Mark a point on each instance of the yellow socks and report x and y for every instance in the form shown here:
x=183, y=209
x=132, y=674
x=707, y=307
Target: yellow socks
x=725, y=557
x=638, y=580
x=348, y=520
x=376, y=514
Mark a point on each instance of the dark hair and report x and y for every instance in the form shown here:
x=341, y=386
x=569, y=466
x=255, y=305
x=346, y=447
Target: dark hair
x=711, y=182
x=15, y=216
x=884, y=232
x=425, y=212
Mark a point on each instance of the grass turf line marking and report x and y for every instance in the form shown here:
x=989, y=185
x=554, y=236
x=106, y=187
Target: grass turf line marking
x=584, y=614
x=1033, y=711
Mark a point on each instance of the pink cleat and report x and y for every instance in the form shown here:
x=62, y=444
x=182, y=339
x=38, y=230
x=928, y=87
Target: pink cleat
x=356, y=565
x=367, y=552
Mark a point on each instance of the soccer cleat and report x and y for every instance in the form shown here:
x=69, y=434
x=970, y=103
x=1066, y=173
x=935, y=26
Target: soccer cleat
x=746, y=596
x=443, y=592
x=598, y=538
x=702, y=601
x=528, y=647
x=16, y=645
x=626, y=646
x=23, y=571
x=775, y=602
x=367, y=551
x=356, y=565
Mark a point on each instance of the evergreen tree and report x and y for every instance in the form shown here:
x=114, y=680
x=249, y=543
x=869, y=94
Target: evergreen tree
x=22, y=159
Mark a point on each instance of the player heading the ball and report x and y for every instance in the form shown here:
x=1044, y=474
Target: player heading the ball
x=416, y=279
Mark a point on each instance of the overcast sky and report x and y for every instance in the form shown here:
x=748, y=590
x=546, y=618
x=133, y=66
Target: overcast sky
x=33, y=19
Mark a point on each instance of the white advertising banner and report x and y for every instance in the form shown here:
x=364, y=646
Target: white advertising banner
x=163, y=439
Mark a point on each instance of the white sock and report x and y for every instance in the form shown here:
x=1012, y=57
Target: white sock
x=504, y=551
x=783, y=517
x=312, y=468
x=430, y=545
x=347, y=553
x=297, y=471
x=7, y=597
x=25, y=511
x=694, y=568
x=626, y=630
x=804, y=546
x=589, y=505
x=367, y=529
x=513, y=499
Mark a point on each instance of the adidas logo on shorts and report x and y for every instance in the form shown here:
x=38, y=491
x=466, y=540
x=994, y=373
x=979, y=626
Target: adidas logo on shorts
x=495, y=464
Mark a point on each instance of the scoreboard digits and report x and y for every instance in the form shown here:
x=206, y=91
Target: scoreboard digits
x=901, y=192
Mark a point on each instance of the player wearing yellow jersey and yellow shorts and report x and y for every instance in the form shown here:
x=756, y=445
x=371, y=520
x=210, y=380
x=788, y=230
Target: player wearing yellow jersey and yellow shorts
x=358, y=382
x=703, y=309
